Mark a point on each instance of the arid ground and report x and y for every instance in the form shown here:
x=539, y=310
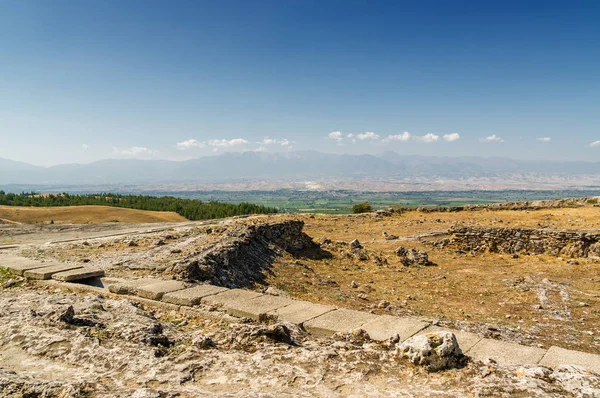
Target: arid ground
x=536, y=300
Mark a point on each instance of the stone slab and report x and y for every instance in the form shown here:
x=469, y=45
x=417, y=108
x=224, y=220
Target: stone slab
x=78, y=274
x=19, y=265
x=560, y=356
x=340, y=320
x=129, y=287
x=230, y=296
x=192, y=296
x=505, y=353
x=155, y=291
x=466, y=340
x=385, y=326
x=256, y=308
x=47, y=272
x=300, y=311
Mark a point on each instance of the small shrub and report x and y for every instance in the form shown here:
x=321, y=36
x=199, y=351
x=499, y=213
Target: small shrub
x=592, y=201
x=363, y=207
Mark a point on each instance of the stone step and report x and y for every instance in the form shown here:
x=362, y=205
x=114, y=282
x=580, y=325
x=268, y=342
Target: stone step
x=385, y=326
x=193, y=295
x=155, y=291
x=129, y=287
x=78, y=274
x=300, y=311
x=560, y=356
x=505, y=353
x=230, y=297
x=257, y=308
x=47, y=272
x=339, y=320
x=19, y=265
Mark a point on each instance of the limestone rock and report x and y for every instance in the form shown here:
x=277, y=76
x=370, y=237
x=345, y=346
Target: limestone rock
x=436, y=351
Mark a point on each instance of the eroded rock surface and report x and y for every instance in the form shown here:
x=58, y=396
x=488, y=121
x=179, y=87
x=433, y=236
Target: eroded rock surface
x=245, y=252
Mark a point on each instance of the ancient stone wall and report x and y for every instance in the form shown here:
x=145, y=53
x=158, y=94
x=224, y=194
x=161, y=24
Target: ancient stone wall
x=532, y=205
x=525, y=241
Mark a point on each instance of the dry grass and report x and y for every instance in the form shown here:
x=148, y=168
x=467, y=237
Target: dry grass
x=84, y=215
x=477, y=289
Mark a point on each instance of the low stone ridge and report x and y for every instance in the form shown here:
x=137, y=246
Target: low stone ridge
x=385, y=326
x=193, y=295
x=505, y=353
x=78, y=274
x=340, y=320
x=436, y=351
x=245, y=252
x=47, y=272
x=257, y=308
x=156, y=290
x=522, y=240
x=559, y=356
x=300, y=311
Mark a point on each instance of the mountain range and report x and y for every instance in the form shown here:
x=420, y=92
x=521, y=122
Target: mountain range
x=297, y=165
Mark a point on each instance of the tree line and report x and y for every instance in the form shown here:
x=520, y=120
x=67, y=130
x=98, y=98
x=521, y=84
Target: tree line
x=192, y=209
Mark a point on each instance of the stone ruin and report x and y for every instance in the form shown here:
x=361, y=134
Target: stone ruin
x=523, y=241
x=245, y=253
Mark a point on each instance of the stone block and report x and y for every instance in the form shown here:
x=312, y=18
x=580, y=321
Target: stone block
x=300, y=311
x=129, y=287
x=19, y=265
x=340, y=320
x=47, y=272
x=256, y=308
x=156, y=290
x=505, y=353
x=192, y=296
x=560, y=356
x=230, y=296
x=78, y=274
x=385, y=326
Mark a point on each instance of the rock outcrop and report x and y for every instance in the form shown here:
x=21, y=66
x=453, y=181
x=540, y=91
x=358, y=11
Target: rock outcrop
x=523, y=241
x=245, y=253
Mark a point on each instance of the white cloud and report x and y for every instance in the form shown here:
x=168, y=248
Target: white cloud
x=368, y=136
x=428, y=138
x=397, y=137
x=137, y=151
x=271, y=141
x=451, y=137
x=336, y=136
x=595, y=144
x=85, y=147
x=350, y=135
x=544, y=139
x=493, y=138
x=191, y=143
x=227, y=143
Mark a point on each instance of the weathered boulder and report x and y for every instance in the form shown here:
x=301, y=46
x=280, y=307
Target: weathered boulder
x=355, y=244
x=410, y=257
x=436, y=351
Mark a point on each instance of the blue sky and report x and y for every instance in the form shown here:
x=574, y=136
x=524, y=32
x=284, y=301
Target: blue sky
x=88, y=80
